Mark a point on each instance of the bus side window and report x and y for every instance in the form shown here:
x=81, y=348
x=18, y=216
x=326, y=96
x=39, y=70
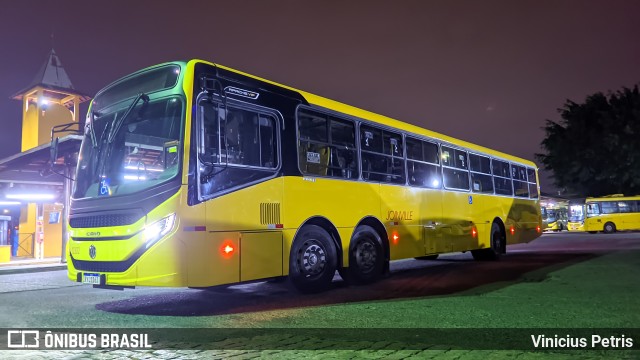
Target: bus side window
x=326, y=145
x=315, y=158
x=454, y=171
x=366, y=168
x=209, y=142
x=593, y=209
x=268, y=142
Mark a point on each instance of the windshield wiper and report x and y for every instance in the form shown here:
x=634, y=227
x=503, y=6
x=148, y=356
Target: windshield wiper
x=92, y=130
x=118, y=122
x=105, y=153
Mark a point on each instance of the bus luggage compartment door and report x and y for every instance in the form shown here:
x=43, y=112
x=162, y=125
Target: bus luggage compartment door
x=260, y=255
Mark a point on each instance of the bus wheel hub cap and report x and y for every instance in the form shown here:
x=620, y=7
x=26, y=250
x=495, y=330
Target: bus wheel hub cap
x=313, y=259
x=365, y=255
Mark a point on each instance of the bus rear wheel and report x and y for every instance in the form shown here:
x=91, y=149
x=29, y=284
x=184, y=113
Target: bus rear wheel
x=366, y=258
x=496, y=249
x=313, y=260
x=609, y=228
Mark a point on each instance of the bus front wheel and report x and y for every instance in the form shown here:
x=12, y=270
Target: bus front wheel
x=313, y=260
x=609, y=228
x=366, y=257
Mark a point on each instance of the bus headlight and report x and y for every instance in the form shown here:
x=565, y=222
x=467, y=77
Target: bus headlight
x=158, y=229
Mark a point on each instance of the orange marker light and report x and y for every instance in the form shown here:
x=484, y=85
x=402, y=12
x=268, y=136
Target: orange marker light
x=227, y=249
x=474, y=232
x=513, y=230
x=395, y=238
x=538, y=228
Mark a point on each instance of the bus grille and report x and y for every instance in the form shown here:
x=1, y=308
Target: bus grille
x=269, y=213
x=103, y=220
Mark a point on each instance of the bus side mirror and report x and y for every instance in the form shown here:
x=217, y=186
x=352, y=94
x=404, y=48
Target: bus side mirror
x=53, y=156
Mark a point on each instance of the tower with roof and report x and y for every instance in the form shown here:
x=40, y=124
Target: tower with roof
x=49, y=100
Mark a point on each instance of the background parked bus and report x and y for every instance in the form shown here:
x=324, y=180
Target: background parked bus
x=612, y=213
x=576, y=215
x=554, y=213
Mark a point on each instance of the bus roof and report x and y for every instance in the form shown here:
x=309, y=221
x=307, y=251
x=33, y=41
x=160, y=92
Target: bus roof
x=383, y=120
x=617, y=197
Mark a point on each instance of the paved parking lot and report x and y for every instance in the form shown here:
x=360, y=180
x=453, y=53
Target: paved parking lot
x=560, y=281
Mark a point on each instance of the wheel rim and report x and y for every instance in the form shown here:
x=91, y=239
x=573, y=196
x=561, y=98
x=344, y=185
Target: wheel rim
x=609, y=228
x=312, y=258
x=366, y=255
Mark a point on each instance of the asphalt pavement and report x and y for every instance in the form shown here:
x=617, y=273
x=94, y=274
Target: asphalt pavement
x=573, y=282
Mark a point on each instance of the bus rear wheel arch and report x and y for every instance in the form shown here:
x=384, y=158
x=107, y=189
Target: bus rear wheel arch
x=609, y=228
x=313, y=259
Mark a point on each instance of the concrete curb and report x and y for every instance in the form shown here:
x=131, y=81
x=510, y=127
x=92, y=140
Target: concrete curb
x=21, y=269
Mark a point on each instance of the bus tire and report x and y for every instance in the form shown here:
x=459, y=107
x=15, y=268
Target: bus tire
x=592, y=232
x=609, y=228
x=366, y=256
x=496, y=249
x=427, y=257
x=313, y=260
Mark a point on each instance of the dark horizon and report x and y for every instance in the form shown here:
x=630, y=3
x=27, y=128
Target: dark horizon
x=489, y=73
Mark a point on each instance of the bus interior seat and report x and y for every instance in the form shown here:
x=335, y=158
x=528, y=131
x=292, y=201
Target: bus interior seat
x=338, y=164
x=366, y=168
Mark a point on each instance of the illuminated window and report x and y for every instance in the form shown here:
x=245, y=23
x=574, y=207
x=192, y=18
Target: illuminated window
x=422, y=163
x=454, y=168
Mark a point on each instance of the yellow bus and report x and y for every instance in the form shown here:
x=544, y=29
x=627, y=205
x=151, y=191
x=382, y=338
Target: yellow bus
x=554, y=214
x=576, y=215
x=612, y=213
x=193, y=174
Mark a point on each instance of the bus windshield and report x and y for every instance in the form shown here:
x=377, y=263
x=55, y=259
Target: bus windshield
x=577, y=213
x=132, y=136
x=576, y=218
x=144, y=149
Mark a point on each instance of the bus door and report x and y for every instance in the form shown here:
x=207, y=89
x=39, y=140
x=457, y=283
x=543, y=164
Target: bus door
x=243, y=195
x=425, y=177
x=458, y=227
x=431, y=215
x=458, y=202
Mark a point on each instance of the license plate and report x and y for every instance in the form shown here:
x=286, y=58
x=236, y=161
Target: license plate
x=91, y=279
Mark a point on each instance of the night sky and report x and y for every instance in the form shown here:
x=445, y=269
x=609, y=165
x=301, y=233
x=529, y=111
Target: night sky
x=489, y=72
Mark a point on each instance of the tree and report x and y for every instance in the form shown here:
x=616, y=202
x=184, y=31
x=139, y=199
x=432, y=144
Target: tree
x=595, y=149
